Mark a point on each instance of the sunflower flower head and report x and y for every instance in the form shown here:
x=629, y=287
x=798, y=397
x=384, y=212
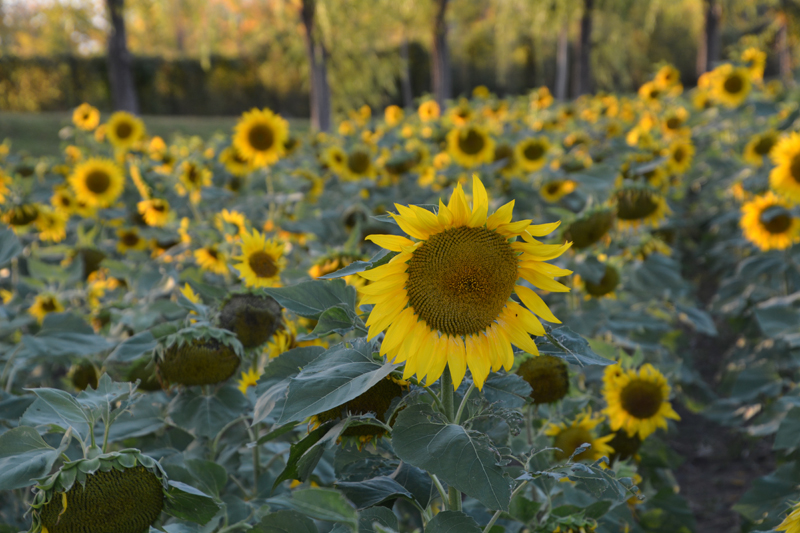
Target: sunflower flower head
x=569, y=437
x=124, y=130
x=768, y=222
x=97, y=182
x=86, y=117
x=261, y=261
x=260, y=137
x=444, y=300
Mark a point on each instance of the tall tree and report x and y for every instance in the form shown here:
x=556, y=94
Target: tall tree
x=318, y=65
x=709, y=48
x=562, y=62
x=784, y=52
x=582, y=75
x=440, y=66
x=123, y=89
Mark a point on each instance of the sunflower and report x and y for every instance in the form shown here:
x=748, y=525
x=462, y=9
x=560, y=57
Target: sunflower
x=555, y=190
x=470, y=146
x=332, y=262
x=124, y=130
x=335, y=158
x=358, y=165
x=674, y=123
x=785, y=177
x=568, y=438
x=129, y=239
x=234, y=162
x=532, y=153
x=756, y=61
x=261, y=261
x=211, y=259
x=791, y=524
x=639, y=205
x=650, y=92
x=541, y=98
x=444, y=300
x=192, y=180
x=768, y=223
x=759, y=146
x=52, y=224
x=98, y=182
x=248, y=379
x=260, y=136
x=730, y=86
x=461, y=114
x=43, y=305
x=20, y=216
x=504, y=152
x=393, y=115
x=86, y=117
x=4, y=190
x=666, y=77
x=679, y=156
x=428, y=111
x=155, y=212
x=62, y=200
x=638, y=402
x=548, y=377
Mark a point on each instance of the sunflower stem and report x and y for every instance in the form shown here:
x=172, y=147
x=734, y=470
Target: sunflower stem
x=448, y=393
x=439, y=487
x=496, y=515
x=464, y=403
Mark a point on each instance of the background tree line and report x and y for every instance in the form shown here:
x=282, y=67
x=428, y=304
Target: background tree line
x=182, y=56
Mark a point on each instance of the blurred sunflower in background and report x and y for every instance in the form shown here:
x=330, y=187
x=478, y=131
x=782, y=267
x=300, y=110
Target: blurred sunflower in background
x=555, y=190
x=730, y=85
x=532, y=153
x=428, y=110
x=638, y=402
x=639, y=206
x=767, y=222
x=86, y=117
x=209, y=258
x=679, y=156
x=260, y=137
x=755, y=61
x=123, y=130
x=261, y=261
x=43, y=305
x=759, y=146
x=358, y=165
x=444, y=301
x=155, y=211
x=470, y=146
x=569, y=437
x=234, y=162
x=784, y=179
x=130, y=240
x=97, y=182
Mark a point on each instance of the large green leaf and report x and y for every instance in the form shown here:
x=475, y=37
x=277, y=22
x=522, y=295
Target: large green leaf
x=461, y=458
x=320, y=504
x=211, y=476
x=64, y=334
x=311, y=298
x=337, y=319
x=10, y=246
x=300, y=449
x=204, y=415
x=788, y=435
x=109, y=401
x=571, y=347
x=452, y=522
x=507, y=390
x=380, y=516
x=373, y=491
x=771, y=495
x=188, y=503
x=336, y=377
x=24, y=456
x=58, y=408
x=285, y=522
x=134, y=347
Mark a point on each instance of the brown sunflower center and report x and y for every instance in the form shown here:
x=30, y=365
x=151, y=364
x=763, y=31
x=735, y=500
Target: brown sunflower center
x=471, y=142
x=261, y=137
x=641, y=399
x=679, y=154
x=212, y=252
x=459, y=280
x=358, y=162
x=778, y=223
x=764, y=145
x=569, y=440
x=159, y=207
x=98, y=181
x=794, y=168
x=504, y=151
x=64, y=200
x=636, y=205
x=130, y=239
x=48, y=305
x=263, y=265
x=533, y=152
x=553, y=188
x=192, y=175
x=124, y=130
x=673, y=123
x=733, y=84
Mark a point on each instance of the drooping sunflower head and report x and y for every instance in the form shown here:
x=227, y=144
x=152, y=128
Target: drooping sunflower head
x=260, y=137
x=86, y=117
x=377, y=401
x=429, y=110
x=445, y=299
x=532, y=153
x=730, y=86
x=548, y=377
x=261, y=261
x=122, y=492
x=590, y=227
x=638, y=402
x=639, y=205
x=43, y=305
x=768, y=223
x=124, y=130
x=253, y=318
x=605, y=286
x=760, y=146
x=22, y=215
x=569, y=437
x=470, y=145
x=784, y=179
x=555, y=190
x=211, y=259
x=97, y=182
x=155, y=211
x=83, y=374
x=198, y=356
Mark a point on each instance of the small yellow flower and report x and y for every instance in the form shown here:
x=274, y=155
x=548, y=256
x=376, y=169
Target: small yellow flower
x=248, y=379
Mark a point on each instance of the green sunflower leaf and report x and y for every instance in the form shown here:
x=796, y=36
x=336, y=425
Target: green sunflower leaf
x=24, y=457
x=461, y=458
x=373, y=491
x=188, y=503
x=10, y=246
x=376, y=519
x=319, y=504
x=452, y=522
x=312, y=298
x=285, y=522
x=571, y=347
x=205, y=416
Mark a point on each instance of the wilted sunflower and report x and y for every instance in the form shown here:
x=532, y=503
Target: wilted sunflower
x=52, y=224
x=638, y=402
x=759, y=146
x=211, y=259
x=568, y=438
x=730, y=86
x=679, y=156
x=124, y=130
x=767, y=222
x=129, y=239
x=358, y=165
x=43, y=305
x=470, y=146
x=532, y=153
x=791, y=524
x=428, y=111
x=639, y=205
x=555, y=190
x=97, y=182
x=260, y=137
x=785, y=177
x=86, y=117
x=155, y=211
x=445, y=300
x=261, y=261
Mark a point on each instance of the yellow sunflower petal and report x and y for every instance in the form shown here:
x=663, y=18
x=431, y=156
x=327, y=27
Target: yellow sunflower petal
x=393, y=243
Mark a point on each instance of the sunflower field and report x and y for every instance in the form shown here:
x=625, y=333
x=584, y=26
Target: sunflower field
x=490, y=317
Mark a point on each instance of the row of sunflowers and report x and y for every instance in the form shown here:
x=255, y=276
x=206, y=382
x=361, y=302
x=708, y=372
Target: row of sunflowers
x=354, y=332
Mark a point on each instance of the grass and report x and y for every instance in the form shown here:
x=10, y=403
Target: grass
x=37, y=133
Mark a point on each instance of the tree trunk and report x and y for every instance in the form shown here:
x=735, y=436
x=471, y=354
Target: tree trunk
x=123, y=89
x=784, y=53
x=708, y=52
x=405, y=81
x=440, y=73
x=584, y=77
x=562, y=63
x=318, y=70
